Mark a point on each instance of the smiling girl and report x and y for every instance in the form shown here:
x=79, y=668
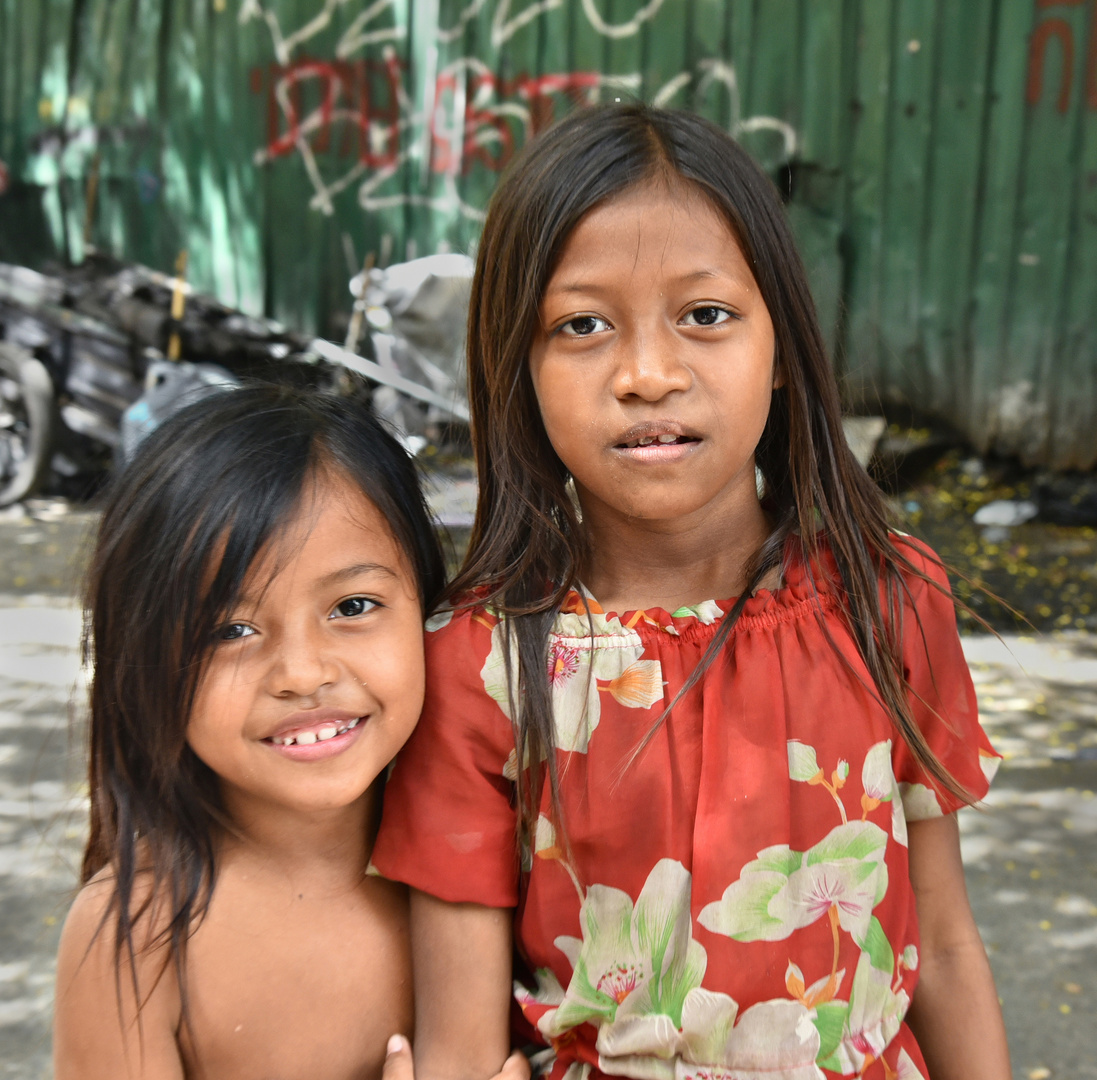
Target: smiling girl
x=719, y=702
x=255, y=627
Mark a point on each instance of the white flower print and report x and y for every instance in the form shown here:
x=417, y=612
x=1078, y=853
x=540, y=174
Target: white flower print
x=706, y=612
x=875, y=1014
x=780, y=891
x=905, y=1069
x=581, y=668
x=802, y=763
x=919, y=802
x=771, y=1038
x=878, y=781
x=632, y=960
x=876, y=777
x=437, y=621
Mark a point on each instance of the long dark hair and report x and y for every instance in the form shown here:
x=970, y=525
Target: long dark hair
x=181, y=526
x=527, y=546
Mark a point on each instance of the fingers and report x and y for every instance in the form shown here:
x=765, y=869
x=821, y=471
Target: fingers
x=516, y=1067
x=398, y=1062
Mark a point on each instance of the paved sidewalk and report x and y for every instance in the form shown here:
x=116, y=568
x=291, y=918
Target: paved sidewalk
x=42, y=819
x=1031, y=855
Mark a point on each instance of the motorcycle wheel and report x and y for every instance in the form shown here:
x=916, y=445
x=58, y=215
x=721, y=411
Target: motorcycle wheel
x=27, y=423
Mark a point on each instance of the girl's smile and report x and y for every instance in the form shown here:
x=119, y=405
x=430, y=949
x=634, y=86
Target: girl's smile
x=654, y=364
x=307, y=736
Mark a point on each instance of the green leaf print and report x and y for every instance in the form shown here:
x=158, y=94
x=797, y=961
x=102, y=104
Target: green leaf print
x=780, y=858
x=743, y=913
x=829, y=1021
x=858, y=840
x=878, y=948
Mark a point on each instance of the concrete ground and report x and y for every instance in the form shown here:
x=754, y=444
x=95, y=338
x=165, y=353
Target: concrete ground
x=1031, y=854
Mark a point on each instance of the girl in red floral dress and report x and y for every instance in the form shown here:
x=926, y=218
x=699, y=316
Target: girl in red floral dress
x=720, y=832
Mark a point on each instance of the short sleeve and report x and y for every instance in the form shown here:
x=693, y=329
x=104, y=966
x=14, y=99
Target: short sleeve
x=449, y=824
x=942, y=697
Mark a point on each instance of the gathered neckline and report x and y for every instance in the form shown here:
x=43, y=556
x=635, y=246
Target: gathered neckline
x=767, y=606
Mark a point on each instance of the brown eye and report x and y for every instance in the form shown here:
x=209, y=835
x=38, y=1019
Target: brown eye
x=708, y=316
x=234, y=631
x=584, y=326
x=354, y=605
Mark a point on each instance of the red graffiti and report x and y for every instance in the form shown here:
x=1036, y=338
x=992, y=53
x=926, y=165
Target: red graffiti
x=1062, y=31
x=487, y=136
x=361, y=97
x=354, y=109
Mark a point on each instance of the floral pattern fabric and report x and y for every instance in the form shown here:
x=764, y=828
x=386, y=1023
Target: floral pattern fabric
x=735, y=903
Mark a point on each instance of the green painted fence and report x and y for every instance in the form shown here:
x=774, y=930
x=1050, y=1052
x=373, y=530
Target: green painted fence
x=940, y=158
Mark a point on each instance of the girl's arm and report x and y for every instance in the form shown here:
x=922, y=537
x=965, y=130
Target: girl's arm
x=97, y=1034
x=955, y=1014
x=461, y=965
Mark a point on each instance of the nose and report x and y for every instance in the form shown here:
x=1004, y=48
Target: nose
x=650, y=367
x=303, y=666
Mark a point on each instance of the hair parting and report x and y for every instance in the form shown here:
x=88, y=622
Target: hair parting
x=528, y=549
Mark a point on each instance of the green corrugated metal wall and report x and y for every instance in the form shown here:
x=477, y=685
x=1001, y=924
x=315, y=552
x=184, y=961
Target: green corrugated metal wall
x=941, y=157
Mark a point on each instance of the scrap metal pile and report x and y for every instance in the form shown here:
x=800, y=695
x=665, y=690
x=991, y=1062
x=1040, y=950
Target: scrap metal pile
x=95, y=356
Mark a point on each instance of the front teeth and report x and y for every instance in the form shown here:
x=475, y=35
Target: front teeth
x=647, y=440
x=307, y=738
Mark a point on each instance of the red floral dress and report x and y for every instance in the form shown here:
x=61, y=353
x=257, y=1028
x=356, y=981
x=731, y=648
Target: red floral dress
x=736, y=903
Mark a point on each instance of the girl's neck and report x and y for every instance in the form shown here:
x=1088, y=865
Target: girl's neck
x=637, y=563
x=335, y=844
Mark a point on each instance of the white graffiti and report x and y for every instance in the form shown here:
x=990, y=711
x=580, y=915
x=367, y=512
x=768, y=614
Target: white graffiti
x=504, y=25
x=468, y=116
x=355, y=36
x=620, y=30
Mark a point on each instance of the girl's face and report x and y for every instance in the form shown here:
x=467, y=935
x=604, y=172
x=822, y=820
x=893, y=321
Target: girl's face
x=316, y=679
x=654, y=363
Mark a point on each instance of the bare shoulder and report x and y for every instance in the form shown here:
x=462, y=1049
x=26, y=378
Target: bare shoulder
x=112, y=1019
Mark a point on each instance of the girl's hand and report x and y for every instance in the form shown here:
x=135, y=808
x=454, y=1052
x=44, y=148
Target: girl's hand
x=400, y=1066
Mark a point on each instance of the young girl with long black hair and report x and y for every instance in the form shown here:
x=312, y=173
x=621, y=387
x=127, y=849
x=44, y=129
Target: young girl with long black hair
x=698, y=720
x=254, y=624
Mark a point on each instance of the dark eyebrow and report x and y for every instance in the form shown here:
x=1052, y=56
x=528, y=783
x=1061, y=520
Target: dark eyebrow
x=594, y=289
x=336, y=577
x=575, y=287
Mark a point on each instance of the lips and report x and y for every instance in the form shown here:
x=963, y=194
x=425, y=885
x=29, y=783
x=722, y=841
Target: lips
x=657, y=441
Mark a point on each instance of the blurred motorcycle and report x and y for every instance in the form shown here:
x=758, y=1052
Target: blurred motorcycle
x=85, y=371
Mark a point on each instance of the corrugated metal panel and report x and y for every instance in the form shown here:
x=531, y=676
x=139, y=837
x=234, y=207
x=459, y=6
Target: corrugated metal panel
x=943, y=179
